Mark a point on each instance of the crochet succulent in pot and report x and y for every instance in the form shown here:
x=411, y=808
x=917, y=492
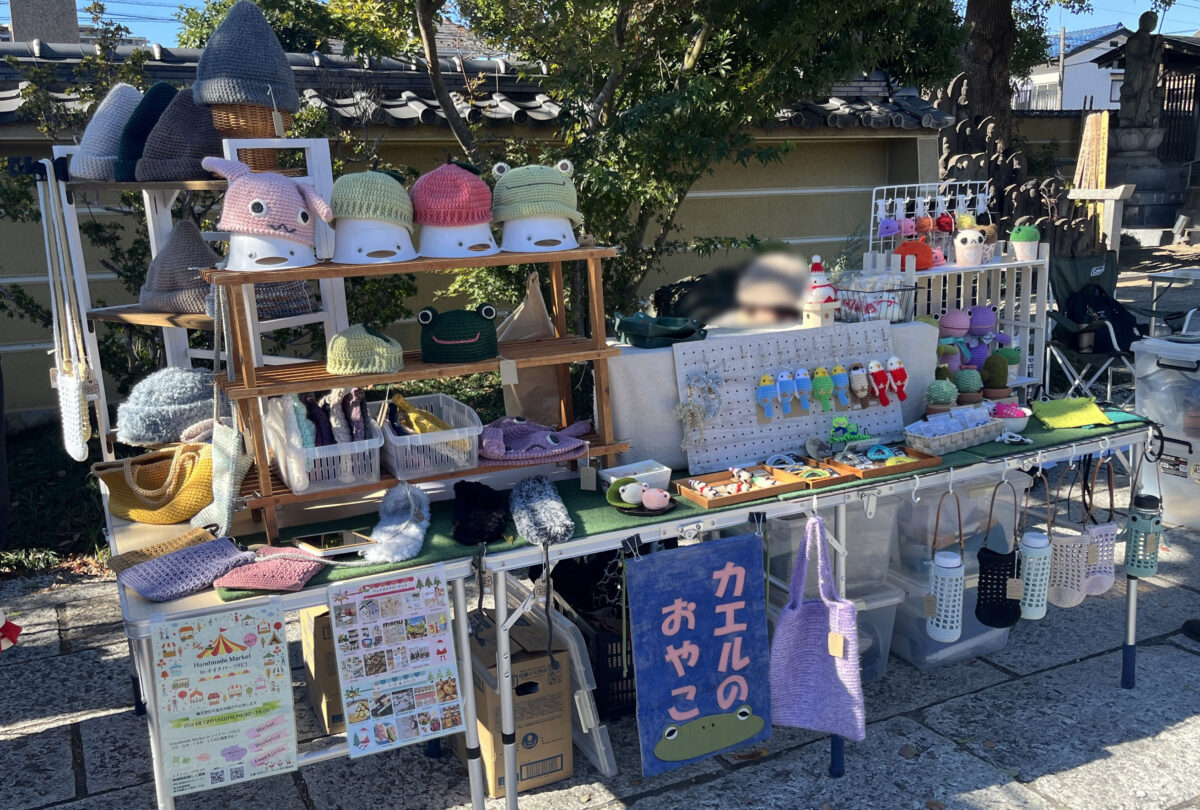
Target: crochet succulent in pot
x=969, y=385
x=940, y=396
x=943, y=372
x=995, y=377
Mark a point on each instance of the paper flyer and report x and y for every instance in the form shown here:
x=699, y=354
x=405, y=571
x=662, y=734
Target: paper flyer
x=224, y=698
x=396, y=660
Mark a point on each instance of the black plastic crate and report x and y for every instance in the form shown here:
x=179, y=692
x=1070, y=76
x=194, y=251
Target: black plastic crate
x=615, y=693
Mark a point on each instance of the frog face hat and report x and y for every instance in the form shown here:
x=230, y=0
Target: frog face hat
x=538, y=206
x=372, y=219
x=458, y=336
x=454, y=208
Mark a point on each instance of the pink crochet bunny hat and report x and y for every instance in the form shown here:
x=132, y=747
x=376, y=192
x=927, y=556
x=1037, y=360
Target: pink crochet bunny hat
x=267, y=204
x=450, y=196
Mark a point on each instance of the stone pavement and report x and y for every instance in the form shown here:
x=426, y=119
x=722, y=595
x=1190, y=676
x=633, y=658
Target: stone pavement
x=1040, y=724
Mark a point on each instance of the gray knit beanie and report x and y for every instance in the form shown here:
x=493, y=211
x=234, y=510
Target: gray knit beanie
x=242, y=59
x=182, y=137
x=173, y=282
x=102, y=136
x=163, y=405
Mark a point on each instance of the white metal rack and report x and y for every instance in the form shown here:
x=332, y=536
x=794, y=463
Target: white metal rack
x=898, y=202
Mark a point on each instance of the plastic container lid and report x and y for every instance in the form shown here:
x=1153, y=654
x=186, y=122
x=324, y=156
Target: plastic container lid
x=1035, y=539
x=947, y=559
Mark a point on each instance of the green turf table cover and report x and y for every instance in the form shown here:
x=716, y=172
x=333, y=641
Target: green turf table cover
x=593, y=515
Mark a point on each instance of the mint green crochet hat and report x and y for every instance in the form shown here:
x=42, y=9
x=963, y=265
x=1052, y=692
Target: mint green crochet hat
x=372, y=195
x=362, y=350
x=535, y=191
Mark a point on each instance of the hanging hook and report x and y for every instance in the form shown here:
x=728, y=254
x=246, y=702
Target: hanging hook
x=814, y=506
x=916, y=486
x=950, y=489
x=1071, y=463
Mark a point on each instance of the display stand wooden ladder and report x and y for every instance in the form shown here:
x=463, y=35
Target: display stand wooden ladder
x=159, y=196
x=264, y=492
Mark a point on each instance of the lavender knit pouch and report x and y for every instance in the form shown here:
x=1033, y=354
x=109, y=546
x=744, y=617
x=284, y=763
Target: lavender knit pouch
x=276, y=569
x=184, y=572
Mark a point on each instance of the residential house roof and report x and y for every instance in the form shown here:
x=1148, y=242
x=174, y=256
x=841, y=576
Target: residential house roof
x=397, y=92
x=1084, y=38
x=1179, y=54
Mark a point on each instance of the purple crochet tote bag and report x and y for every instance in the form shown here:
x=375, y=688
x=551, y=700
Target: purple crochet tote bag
x=810, y=686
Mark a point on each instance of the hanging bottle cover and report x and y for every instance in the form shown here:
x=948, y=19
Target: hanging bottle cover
x=1143, y=530
x=946, y=583
x=993, y=606
x=1102, y=539
x=1034, y=568
x=1068, y=553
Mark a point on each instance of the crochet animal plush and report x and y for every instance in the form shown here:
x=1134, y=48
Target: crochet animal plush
x=880, y=382
x=268, y=204
x=823, y=388
x=787, y=390
x=898, y=377
x=804, y=387
x=841, y=385
x=766, y=394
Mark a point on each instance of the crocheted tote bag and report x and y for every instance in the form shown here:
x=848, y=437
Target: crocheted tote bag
x=1068, y=554
x=184, y=572
x=192, y=537
x=163, y=487
x=275, y=569
x=993, y=608
x=811, y=686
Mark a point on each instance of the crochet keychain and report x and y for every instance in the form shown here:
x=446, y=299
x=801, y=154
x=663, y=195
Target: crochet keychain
x=897, y=377
x=823, y=388
x=943, y=222
x=860, y=386
x=922, y=220
x=787, y=390
x=804, y=388
x=841, y=385
x=767, y=394
x=908, y=225
x=880, y=382
x=887, y=225
x=964, y=218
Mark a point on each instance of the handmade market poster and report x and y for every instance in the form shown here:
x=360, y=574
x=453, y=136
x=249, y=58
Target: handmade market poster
x=396, y=660
x=224, y=692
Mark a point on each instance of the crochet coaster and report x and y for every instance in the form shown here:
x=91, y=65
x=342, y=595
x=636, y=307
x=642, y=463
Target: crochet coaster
x=480, y=514
x=403, y=519
x=1069, y=413
x=276, y=569
x=539, y=512
x=184, y=572
x=129, y=559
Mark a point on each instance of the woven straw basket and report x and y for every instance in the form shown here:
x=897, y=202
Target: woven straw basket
x=251, y=121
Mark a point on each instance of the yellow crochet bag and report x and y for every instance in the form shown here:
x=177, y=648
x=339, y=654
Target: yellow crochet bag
x=163, y=487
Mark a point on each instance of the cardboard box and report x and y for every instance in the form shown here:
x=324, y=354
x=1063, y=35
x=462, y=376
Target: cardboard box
x=541, y=706
x=320, y=668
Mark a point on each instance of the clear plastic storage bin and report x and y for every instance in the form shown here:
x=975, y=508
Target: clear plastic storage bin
x=311, y=469
x=428, y=454
x=869, y=544
x=1168, y=391
x=911, y=641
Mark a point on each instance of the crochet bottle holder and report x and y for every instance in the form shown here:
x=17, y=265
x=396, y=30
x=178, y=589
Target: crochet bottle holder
x=1103, y=538
x=1034, y=563
x=1143, y=532
x=946, y=583
x=1068, y=556
x=993, y=608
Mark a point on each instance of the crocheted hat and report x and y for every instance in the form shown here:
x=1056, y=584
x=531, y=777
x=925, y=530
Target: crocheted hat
x=163, y=405
x=173, y=282
x=480, y=514
x=182, y=137
x=267, y=204
x=535, y=191
x=138, y=128
x=98, y=146
x=243, y=63
x=513, y=440
x=458, y=336
x=372, y=195
x=362, y=350
x=450, y=196
x=539, y=512
x=403, y=519
x=275, y=569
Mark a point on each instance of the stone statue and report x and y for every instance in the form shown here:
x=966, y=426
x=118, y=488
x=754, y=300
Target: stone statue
x=1141, y=96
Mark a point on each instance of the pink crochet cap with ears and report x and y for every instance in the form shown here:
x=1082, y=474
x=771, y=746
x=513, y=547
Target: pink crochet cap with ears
x=267, y=204
x=450, y=196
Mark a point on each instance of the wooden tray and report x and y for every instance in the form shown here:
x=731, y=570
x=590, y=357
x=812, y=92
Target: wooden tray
x=789, y=484
x=923, y=461
x=839, y=476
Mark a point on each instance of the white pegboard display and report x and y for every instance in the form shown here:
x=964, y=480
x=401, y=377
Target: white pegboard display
x=737, y=433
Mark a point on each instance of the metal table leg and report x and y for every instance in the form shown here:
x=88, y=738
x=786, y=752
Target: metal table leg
x=508, y=731
x=1129, y=651
x=466, y=691
x=143, y=663
x=837, y=756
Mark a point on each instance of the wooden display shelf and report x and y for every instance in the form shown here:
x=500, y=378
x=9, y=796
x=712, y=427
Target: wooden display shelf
x=138, y=315
x=282, y=495
x=233, y=278
x=300, y=378
x=150, y=185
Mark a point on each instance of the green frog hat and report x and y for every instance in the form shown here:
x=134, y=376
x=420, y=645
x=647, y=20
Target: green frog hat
x=538, y=207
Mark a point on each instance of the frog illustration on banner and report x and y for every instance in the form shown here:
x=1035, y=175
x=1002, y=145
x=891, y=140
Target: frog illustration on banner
x=705, y=735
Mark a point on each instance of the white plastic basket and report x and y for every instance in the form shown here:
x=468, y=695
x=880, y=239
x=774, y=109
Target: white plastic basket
x=445, y=451
x=329, y=467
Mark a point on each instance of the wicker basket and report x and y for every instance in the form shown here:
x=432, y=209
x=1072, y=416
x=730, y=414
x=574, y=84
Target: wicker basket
x=251, y=121
x=941, y=445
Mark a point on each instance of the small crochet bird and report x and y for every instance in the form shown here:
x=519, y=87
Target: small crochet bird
x=860, y=386
x=879, y=382
x=804, y=387
x=787, y=390
x=768, y=393
x=841, y=385
x=898, y=377
x=823, y=388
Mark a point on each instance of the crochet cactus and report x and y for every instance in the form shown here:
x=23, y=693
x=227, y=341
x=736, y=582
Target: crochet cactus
x=995, y=372
x=942, y=372
x=968, y=381
x=1025, y=233
x=941, y=392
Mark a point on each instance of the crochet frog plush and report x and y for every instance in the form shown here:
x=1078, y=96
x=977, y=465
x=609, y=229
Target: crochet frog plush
x=458, y=336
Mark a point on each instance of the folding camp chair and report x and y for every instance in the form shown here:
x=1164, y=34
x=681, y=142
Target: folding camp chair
x=1073, y=345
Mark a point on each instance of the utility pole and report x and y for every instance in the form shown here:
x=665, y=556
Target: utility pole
x=1062, y=56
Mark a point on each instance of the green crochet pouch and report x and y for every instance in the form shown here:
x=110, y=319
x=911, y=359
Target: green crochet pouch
x=1069, y=413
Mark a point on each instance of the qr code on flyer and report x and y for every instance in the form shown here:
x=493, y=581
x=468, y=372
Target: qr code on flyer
x=216, y=777
x=237, y=772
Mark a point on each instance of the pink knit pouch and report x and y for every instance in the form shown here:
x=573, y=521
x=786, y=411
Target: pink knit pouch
x=267, y=574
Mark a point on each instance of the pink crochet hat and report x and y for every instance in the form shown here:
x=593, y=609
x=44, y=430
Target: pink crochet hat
x=450, y=196
x=267, y=204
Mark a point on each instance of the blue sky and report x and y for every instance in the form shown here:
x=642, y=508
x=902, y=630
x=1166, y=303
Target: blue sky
x=153, y=18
